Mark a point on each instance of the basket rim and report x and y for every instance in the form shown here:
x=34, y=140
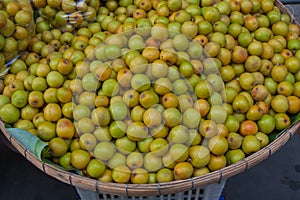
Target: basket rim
x=159, y=188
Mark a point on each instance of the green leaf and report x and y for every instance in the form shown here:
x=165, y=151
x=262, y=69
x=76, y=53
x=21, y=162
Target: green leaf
x=28, y=140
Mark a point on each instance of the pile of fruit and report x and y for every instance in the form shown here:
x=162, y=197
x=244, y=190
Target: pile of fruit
x=148, y=91
x=16, y=29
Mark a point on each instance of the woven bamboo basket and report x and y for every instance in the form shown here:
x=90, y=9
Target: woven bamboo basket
x=191, y=185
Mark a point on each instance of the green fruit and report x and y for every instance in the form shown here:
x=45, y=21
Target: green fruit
x=211, y=14
x=9, y=113
x=19, y=98
x=144, y=145
x=293, y=44
x=65, y=161
x=164, y=175
x=205, y=27
x=208, y=128
x=217, y=113
x=250, y=144
x=254, y=113
x=137, y=113
x=118, y=110
x=247, y=80
x=46, y=130
x=117, y=129
x=189, y=28
x=181, y=42
x=89, y=82
x=179, y=134
x=263, y=34
x=4, y=100
x=152, y=163
x=174, y=5
x=180, y=86
x=179, y=152
x=200, y=156
x=137, y=131
x=172, y=117
x=282, y=121
x=280, y=103
x=234, y=156
x=134, y=160
x=234, y=140
x=159, y=146
x=191, y=118
x=116, y=160
x=104, y=150
x=121, y=174
x=80, y=158
x=203, y=89
x=112, y=51
x=218, y=145
x=55, y=79
x=148, y=98
x=125, y=145
x=102, y=134
x=271, y=85
x=152, y=117
x=240, y=104
x=110, y=87
x=87, y=141
x=263, y=138
x=232, y=123
x=186, y=69
x=95, y=168
x=58, y=147
x=163, y=86
x=24, y=124
x=140, y=82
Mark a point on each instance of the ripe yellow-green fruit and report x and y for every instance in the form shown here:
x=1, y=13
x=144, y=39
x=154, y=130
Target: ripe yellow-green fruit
x=58, y=147
x=80, y=158
x=9, y=113
x=52, y=112
x=183, y=170
x=65, y=128
x=95, y=168
x=121, y=174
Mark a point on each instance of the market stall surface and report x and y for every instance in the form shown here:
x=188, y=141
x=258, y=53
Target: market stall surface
x=276, y=178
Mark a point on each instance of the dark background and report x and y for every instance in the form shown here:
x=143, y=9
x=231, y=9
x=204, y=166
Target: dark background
x=276, y=178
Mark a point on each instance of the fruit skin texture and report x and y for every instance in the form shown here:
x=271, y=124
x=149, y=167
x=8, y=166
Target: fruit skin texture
x=248, y=127
x=218, y=145
x=234, y=156
x=9, y=113
x=200, y=156
x=250, y=144
x=58, y=147
x=183, y=170
x=80, y=159
x=266, y=123
x=95, y=168
x=121, y=174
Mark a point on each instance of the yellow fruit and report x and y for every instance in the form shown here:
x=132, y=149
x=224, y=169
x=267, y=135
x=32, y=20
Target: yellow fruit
x=65, y=128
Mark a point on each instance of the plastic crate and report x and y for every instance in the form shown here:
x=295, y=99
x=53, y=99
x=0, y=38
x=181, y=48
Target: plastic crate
x=210, y=192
